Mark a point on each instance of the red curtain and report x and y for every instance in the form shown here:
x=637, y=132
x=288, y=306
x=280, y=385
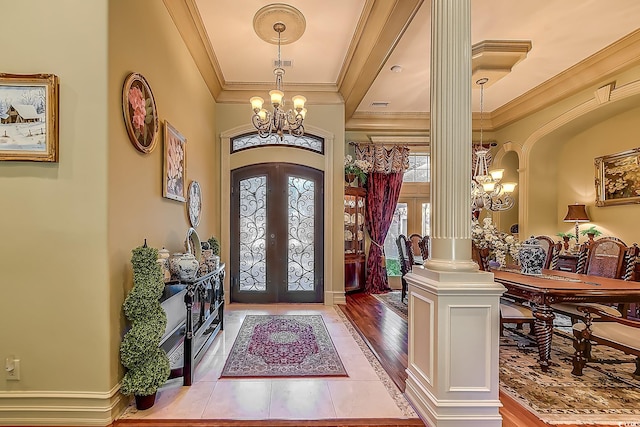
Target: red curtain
x=383, y=190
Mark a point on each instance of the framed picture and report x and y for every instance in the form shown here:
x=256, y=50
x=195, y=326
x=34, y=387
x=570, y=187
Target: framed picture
x=175, y=164
x=194, y=203
x=29, y=117
x=140, y=115
x=618, y=178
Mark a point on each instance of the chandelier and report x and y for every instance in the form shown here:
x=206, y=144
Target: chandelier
x=487, y=190
x=278, y=121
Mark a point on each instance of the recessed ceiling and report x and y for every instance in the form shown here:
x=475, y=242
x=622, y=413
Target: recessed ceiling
x=333, y=56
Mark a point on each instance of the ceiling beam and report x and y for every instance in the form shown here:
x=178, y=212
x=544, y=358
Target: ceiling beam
x=376, y=38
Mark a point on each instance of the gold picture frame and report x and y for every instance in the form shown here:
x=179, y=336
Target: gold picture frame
x=618, y=178
x=29, y=121
x=175, y=164
x=140, y=114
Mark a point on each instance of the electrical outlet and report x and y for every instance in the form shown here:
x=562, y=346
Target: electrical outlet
x=12, y=369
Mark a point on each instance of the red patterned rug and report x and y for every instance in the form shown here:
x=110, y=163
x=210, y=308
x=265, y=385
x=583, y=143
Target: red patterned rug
x=283, y=346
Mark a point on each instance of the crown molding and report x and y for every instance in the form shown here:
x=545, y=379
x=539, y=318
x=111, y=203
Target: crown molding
x=595, y=70
x=408, y=122
x=188, y=21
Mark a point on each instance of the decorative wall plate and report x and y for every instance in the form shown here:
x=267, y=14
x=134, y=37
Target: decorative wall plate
x=194, y=204
x=140, y=115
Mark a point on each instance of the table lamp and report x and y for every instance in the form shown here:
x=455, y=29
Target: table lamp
x=576, y=213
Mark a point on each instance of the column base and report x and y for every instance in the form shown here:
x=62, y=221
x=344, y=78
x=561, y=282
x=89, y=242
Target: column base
x=443, y=413
x=454, y=332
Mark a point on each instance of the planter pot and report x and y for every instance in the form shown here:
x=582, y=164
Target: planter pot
x=349, y=177
x=566, y=243
x=145, y=402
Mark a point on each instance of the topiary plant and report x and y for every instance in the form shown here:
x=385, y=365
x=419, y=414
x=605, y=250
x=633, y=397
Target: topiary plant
x=591, y=230
x=147, y=364
x=215, y=245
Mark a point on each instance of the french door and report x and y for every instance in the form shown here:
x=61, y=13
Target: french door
x=277, y=226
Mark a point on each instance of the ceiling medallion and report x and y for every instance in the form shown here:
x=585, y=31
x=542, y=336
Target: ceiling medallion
x=291, y=17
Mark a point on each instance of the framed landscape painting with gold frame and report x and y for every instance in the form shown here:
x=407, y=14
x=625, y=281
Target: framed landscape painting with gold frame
x=29, y=117
x=175, y=164
x=618, y=178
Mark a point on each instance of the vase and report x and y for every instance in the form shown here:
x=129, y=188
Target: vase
x=532, y=257
x=145, y=402
x=566, y=243
x=187, y=267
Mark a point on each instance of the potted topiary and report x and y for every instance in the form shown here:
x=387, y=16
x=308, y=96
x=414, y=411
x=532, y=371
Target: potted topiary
x=147, y=364
x=565, y=238
x=214, y=245
x=591, y=232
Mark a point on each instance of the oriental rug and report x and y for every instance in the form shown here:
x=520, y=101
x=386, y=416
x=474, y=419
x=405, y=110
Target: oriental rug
x=283, y=346
x=393, y=301
x=605, y=394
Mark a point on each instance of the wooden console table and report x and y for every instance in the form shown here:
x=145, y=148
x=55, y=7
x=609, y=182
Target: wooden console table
x=558, y=286
x=195, y=315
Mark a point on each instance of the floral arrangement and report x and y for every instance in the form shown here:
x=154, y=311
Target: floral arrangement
x=500, y=244
x=360, y=168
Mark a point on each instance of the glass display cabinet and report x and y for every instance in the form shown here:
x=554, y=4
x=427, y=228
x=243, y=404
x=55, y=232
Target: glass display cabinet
x=354, y=231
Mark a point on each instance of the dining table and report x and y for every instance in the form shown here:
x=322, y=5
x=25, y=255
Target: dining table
x=553, y=287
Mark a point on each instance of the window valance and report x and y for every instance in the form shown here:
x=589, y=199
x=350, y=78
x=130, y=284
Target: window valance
x=385, y=159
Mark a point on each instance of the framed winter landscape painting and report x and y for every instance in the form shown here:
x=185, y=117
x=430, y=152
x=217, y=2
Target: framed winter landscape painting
x=29, y=117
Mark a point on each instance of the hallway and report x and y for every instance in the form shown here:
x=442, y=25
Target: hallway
x=328, y=401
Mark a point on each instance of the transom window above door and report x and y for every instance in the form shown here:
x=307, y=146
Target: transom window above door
x=253, y=140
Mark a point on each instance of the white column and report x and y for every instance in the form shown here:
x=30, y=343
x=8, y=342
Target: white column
x=451, y=136
x=453, y=308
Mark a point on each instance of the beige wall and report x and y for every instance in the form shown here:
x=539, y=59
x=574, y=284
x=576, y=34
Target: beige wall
x=67, y=241
x=556, y=151
x=576, y=173
x=54, y=217
x=137, y=211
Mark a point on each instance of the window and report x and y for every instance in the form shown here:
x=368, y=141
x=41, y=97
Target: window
x=398, y=227
x=306, y=141
x=419, y=168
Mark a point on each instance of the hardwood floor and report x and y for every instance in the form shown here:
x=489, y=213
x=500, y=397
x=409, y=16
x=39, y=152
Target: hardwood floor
x=385, y=332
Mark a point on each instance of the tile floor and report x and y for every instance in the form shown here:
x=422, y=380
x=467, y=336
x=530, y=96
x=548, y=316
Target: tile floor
x=282, y=398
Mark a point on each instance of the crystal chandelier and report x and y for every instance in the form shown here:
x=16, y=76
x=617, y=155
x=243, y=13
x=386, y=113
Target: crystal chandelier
x=278, y=121
x=486, y=189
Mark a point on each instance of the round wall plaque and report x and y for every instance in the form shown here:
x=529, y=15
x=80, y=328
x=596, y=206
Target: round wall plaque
x=194, y=204
x=140, y=115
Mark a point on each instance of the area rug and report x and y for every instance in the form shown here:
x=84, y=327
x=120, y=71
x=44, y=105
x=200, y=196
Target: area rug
x=283, y=346
x=393, y=301
x=605, y=394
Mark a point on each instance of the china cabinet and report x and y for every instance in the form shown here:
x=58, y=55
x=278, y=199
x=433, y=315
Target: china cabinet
x=354, y=232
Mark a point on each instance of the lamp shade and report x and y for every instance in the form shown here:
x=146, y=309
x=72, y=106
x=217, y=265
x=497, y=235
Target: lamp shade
x=576, y=213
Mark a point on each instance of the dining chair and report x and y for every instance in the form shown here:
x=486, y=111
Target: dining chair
x=424, y=247
x=414, y=241
x=406, y=261
x=548, y=245
x=612, y=330
x=605, y=257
